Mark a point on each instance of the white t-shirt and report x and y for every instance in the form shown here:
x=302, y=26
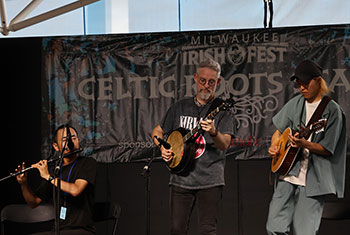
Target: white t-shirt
x=301, y=178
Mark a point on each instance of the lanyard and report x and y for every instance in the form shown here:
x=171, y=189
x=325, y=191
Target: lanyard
x=70, y=171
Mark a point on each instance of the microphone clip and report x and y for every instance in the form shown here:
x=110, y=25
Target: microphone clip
x=70, y=143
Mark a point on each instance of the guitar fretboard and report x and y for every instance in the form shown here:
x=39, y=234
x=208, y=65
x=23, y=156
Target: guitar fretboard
x=195, y=130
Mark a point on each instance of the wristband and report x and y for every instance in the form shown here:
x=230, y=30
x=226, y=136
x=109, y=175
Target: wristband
x=50, y=179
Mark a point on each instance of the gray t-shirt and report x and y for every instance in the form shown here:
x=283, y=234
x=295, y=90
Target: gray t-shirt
x=209, y=162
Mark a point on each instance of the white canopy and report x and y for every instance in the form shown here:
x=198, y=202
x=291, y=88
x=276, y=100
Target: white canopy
x=133, y=16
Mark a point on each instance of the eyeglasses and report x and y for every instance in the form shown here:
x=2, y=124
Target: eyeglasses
x=203, y=81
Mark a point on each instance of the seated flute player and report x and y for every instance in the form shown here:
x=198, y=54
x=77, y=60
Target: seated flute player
x=77, y=176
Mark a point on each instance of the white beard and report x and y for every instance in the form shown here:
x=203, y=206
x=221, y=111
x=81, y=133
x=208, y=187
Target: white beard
x=204, y=96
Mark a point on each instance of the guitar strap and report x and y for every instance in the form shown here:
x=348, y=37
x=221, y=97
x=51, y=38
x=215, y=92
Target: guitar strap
x=319, y=110
x=216, y=102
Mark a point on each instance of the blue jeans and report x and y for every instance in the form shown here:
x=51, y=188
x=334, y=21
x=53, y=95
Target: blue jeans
x=182, y=202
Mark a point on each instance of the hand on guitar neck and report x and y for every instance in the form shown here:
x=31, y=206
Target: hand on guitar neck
x=294, y=141
x=303, y=143
x=208, y=126
x=274, y=149
x=297, y=142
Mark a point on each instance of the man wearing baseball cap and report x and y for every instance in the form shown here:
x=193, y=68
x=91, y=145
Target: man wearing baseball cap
x=298, y=197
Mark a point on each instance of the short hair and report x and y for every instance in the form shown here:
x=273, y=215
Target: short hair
x=211, y=64
x=60, y=128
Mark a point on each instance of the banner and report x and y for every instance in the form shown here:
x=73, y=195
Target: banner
x=114, y=89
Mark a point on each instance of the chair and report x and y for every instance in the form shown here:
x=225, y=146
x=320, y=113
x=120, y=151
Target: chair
x=24, y=220
x=104, y=211
x=336, y=211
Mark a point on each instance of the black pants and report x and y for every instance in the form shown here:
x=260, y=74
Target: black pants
x=182, y=202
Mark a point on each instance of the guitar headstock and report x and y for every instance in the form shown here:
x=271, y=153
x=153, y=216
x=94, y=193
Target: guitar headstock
x=223, y=106
x=318, y=126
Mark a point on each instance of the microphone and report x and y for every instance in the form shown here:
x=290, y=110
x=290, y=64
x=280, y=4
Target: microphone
x=163, y=142
x=70, y=143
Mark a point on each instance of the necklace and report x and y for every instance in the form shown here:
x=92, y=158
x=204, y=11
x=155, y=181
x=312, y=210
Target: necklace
x=197, y=103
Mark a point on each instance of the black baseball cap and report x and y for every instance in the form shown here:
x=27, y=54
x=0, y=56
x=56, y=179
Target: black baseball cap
x=306, y=71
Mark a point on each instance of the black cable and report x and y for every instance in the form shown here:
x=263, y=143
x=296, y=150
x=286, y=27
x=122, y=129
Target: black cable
x=271, y=13
x=268, y=8
x=265, y=14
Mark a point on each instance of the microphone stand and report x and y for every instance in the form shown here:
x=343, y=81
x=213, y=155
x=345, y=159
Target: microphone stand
x=146, y=173
x=56, y=193
x=57, y=190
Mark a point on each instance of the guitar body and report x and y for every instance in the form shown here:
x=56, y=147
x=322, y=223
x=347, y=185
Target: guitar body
x=284, y=161
x=183, y=152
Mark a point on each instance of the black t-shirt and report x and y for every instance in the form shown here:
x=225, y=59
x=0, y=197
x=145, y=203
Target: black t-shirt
x=79, y=209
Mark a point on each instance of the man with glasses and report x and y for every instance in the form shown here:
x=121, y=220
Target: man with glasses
x=298, y=198
x=203, y=184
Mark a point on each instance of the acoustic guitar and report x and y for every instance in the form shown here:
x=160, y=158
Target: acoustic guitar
x=284, y=160
x=182, y=142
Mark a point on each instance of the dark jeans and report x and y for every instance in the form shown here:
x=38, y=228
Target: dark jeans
x=182, y=202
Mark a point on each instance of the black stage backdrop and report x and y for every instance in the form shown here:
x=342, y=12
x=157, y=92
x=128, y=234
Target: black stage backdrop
x=115, y=88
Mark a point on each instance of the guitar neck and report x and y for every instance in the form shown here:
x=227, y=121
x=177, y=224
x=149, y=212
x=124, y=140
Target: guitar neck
x=306, y=135
x=310, y=129
x=195, y=130
x=191, y=133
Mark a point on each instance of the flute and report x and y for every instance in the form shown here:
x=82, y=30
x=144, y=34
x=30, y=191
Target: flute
x=48, y=161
